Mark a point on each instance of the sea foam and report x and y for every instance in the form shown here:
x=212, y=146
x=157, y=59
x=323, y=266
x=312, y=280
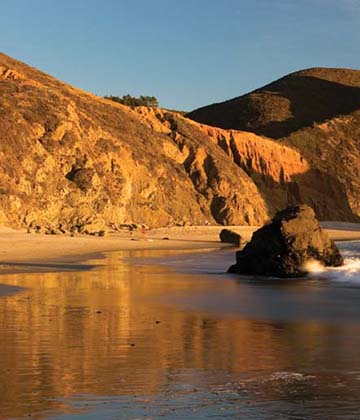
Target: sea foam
x=349, y=272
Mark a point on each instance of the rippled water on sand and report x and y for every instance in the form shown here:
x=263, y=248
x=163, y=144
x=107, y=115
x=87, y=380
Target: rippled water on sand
x=169, y=334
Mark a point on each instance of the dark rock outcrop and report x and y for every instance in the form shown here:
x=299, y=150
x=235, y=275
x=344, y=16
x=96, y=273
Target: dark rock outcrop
x=283, y=247
x=230, y=237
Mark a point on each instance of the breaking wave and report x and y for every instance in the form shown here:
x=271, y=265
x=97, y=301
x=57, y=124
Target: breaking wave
x=349, y=272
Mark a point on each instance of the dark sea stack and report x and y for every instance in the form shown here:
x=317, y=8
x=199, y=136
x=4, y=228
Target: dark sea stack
x=282, y=247
x=230, y=237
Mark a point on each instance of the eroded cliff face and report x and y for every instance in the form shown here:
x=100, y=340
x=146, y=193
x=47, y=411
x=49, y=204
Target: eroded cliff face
x=317, y=112
x=71, y=161
x=281, y=174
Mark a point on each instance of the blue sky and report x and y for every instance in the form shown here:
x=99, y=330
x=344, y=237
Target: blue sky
x=187, y=53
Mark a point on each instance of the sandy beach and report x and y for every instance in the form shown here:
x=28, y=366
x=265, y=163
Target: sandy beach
x=21, y=247
x=24, y=252
x=104, y=331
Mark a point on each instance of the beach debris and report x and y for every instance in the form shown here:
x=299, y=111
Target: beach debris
x=282, y=247
x=230, y=237
x=94, y=227
x=87, y=226
x=128, y=226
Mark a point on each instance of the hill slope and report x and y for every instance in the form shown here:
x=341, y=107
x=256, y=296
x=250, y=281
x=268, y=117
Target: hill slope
x=295, y=101
x=70, y=160
x=317, y=111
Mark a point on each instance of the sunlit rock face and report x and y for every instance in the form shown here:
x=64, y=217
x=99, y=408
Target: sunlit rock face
x=283, y=247
x=317, y=112
x=73, y=162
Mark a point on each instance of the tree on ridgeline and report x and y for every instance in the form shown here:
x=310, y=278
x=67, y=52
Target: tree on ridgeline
x=133, y=101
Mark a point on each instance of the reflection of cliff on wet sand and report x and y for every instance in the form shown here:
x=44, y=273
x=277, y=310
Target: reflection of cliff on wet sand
x=104, y=332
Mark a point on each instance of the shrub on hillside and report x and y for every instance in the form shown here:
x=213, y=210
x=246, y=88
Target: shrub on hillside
x=132, y=101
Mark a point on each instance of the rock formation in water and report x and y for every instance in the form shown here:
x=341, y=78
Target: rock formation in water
x=230, y=237
x=73, y=162
x=317, y=113
x=283, y=247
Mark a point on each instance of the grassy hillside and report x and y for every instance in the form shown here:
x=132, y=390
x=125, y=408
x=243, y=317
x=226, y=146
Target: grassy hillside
x=317, y=111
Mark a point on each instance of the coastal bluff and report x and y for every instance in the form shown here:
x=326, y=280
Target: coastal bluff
x=75, y=162
x=315, y=111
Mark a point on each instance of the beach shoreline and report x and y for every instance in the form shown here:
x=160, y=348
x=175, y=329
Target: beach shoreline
x=25, y=253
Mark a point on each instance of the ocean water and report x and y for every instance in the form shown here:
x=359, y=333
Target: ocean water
x=168, y=334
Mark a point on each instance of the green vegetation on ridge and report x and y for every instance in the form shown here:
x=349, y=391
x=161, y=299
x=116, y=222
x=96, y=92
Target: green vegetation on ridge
x=129, y=100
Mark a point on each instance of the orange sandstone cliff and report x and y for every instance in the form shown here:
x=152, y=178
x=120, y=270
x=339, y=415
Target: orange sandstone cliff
x=314, y=111
x=71, y=161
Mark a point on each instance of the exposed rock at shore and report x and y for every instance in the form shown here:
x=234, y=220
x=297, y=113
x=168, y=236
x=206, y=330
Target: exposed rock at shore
x=284, y=246
x=230, y=237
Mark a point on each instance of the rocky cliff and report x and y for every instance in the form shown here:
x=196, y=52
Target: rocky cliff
x=317, y=113
x=71, y=161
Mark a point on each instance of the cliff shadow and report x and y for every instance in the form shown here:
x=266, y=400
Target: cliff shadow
x=321, y=191
x=311, y=100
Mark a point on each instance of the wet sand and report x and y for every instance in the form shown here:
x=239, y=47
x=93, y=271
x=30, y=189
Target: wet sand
x=23, y=252
x=166, y=334
x=19, y=246
x=342, y=231
x=6, y=290
x=149, y=332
